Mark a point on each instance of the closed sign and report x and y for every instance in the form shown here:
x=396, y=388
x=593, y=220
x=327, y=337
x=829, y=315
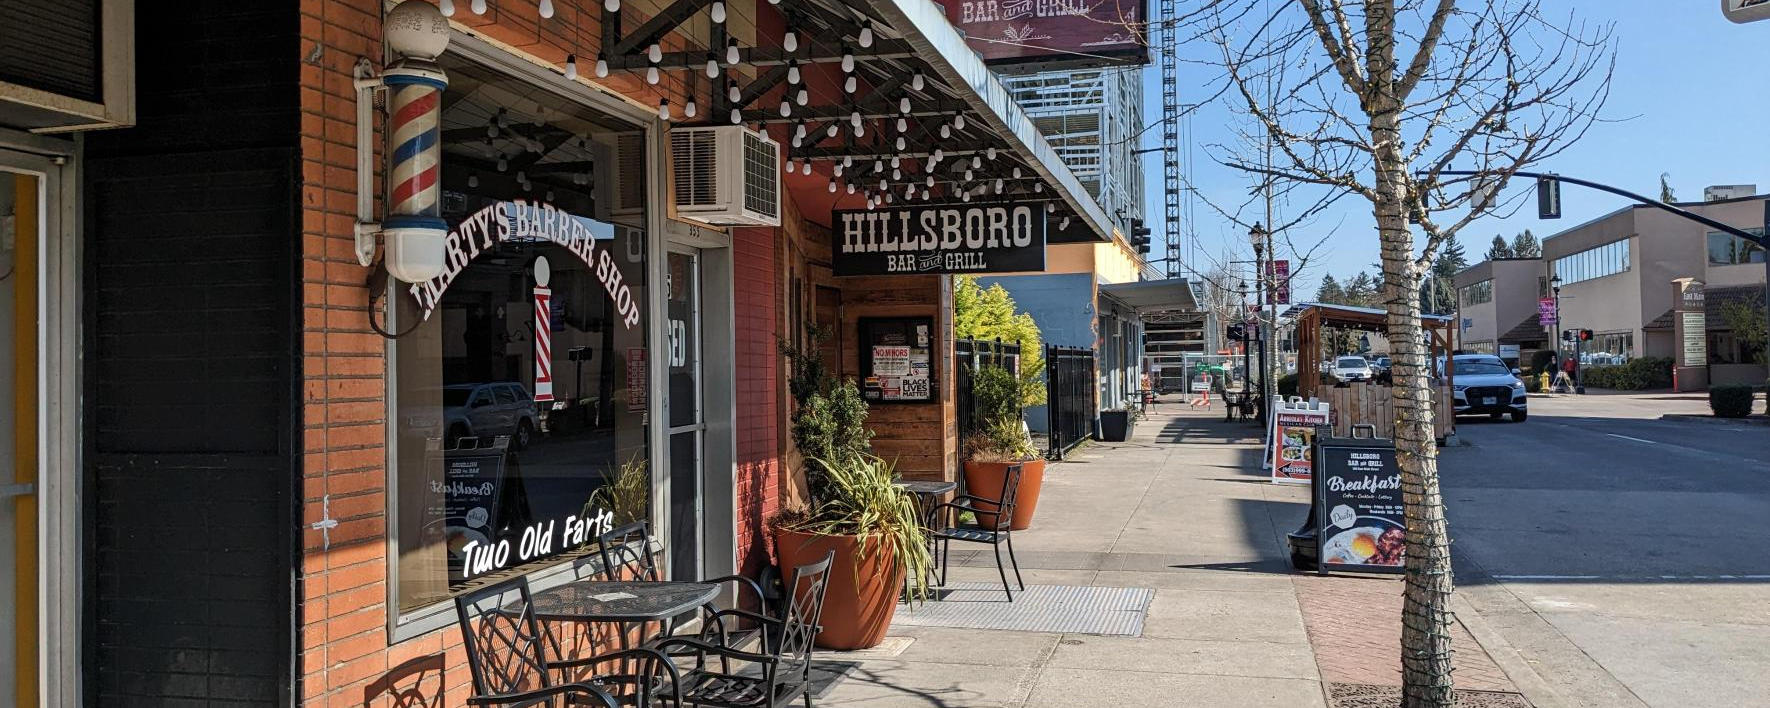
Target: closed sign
x=1001, y=238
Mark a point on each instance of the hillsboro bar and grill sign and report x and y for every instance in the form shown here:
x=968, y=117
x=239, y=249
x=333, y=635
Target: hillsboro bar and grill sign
x=1071, y=32
x=1000, y=238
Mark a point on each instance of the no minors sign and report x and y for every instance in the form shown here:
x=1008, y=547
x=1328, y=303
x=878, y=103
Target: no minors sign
x=1001, y=238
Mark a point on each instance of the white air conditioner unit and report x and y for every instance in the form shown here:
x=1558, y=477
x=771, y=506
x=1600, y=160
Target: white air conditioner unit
x=726, y=176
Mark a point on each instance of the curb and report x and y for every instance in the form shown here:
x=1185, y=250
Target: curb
x=1753, y=419
x=1517, y=670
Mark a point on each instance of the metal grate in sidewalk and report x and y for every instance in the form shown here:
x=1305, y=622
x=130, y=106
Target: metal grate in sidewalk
x=1069, y=609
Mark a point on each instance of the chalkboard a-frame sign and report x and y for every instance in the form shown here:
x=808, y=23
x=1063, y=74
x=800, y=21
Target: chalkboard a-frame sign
x=897, y=359
x=1358, y=504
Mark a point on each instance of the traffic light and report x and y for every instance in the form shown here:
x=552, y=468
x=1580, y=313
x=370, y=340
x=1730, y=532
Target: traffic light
x=1548, y=197
x=1567, y=335
x=1139, y=236
x=1585, y=335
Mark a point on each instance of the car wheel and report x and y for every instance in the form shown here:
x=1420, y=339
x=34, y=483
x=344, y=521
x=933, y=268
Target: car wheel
x=525, y=433
x=1519, y=416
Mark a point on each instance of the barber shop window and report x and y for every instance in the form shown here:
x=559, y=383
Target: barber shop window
x=520, y=380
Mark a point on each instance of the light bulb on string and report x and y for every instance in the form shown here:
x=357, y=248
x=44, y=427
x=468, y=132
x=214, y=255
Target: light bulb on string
x=946, y=131
x=850, y=187
x=731, y=52
x=688, y=109
x=571, y=67
x=966, y=196
x=733, y=93
x=611, y=5
x=1050, y=207
x=976, y=162
x=1063, y=224
x=798, y=141
x=916, y=81
x=959, y=122
x=799, y=129
x=448, y=8
x=503, y=164
x=895, y=160
x=601, y=67
x=549, y=196
x=651, y=75
x=786, y=108
x=737, y=117
x=479, y=7
x=499, y=118
x=887, y=197
x=790, y=41
x=938, y=156
x=664, y=109
x=803, y=97
x=896, y=173
x=902, y=125
x=847, y=61
x=789, y=166
x=832, y=186
x=968, y=175
x=924, y=195
x=831, y=130
x=990, y=152
x=837, y=169
x=1017, y=172
x=522, y=176
x=930, y=180
x=527, y=186
x=547, y=9
x=805, y=165
x=718, y=11
x=878, y=165
x=909, y=192
x=848, y=161
x=901, y=143
x=792, y=70
x=712, y=66
x=903, y=105
x=854, y=118
x=883, y=185
x=491, y=130
x=866, y=34
x=850, y=84
x=655, y=53
x=998, y=185
x=472, y=180
x=1039, y=187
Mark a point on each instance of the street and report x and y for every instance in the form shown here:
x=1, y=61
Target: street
x=1621, y=556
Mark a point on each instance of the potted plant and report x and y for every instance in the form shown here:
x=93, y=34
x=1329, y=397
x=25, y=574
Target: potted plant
x=998, y=441
x=871, y=524
x=1117, y=425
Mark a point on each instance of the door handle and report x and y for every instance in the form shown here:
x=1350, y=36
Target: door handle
x=17, y=490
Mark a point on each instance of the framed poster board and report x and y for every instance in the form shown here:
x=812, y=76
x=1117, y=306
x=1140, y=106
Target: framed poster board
x=1290, y=448
x=897, y=359
x=1358, y=504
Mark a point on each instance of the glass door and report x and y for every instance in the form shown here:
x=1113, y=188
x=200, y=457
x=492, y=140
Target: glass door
x=22, y=200
x=687, y=421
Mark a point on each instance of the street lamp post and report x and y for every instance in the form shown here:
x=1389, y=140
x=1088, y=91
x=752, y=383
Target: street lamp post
x=1259, y=237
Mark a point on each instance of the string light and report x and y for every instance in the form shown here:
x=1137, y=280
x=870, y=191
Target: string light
x=479, y=7
x=491, y=130
x=601, y=66
x=712, y=66
x=968, y=175
x=930, y=180
x=878, y=165
x=571, y=67
x=731, y=52
x=854, y=118
x=805, y=165
x=901, y=143
x=786, y=108
x=894, y=163
x=522, y=176
x=831, y=130
x=803, y=97
x=1039, y=187
x=850, y=187
x=549, y=195
x=1050, y=207
x=448, y=8
x=850, y=84
x=902, y=125
x=848, y=161
x=799, y=129
x=924, y=195
x=990, y=152
x=903, y=105
x=866, y=33
x=737, y=116
x=792, y=68
x=651, y=75
x=718, y=11
x=790, y=42
x=938, y=156
x=611, y=5
x=1063, y=224
x=688, y=109
x=959, y=122
x=655, y=53
x=976, y=162
x=998, y=185
x=664, y=109
x=832, y=186
x=837, y=170
x=896, y=173
x=790, y=167
x=547, y=12
x=916, y=81
x=945, y=131
x=503, y=164
x=473, y=179
x=733, y=93
x=847, y=60
x=1016, y=172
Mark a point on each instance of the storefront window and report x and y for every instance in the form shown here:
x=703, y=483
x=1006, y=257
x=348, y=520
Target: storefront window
x=519, y=396
x=1727, y=249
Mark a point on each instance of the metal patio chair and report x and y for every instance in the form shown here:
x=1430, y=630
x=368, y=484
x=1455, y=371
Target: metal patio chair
x=512, y=665
x=626, y=555
x=781, y=669
x=995, y=535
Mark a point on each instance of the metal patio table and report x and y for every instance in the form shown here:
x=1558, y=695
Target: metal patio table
x=622, y=601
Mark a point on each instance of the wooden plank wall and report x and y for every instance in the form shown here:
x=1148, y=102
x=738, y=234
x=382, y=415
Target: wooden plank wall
x=1371, y=403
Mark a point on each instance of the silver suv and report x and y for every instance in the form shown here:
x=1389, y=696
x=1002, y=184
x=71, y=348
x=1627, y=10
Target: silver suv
x=488, y=410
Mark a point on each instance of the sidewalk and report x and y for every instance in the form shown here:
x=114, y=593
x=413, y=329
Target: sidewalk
x=1184, y=513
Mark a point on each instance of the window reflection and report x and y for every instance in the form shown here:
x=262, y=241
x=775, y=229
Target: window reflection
x=1609, y=259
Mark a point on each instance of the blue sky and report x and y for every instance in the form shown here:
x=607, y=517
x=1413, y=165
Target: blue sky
x=1689, y=98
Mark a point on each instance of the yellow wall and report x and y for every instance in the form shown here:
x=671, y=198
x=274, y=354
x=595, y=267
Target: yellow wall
x=1113, y=262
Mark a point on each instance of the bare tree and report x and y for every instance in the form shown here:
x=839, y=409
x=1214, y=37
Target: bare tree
x=1377, y=99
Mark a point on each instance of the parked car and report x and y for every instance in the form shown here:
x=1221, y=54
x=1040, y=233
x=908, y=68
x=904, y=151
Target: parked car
x=1352, y=368
x=488, y=410
x=1483, y=383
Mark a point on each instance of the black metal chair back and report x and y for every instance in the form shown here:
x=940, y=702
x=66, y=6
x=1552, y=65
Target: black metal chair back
x=505, y=653
x=626, y=553
x=804, y=612
x=1010, y=491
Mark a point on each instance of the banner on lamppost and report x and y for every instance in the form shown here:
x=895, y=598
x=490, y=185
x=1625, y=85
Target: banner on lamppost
x=1279, y=271
x=1545, y=312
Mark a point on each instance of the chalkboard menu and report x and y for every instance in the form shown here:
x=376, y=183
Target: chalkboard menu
x=897, y=359
x=1358, y=505
x=473, y=490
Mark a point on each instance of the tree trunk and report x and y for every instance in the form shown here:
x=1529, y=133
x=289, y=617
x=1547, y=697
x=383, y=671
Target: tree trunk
x=1425, y=620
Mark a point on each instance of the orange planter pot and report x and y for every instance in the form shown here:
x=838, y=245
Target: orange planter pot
x=862, y=594
x=984, y=479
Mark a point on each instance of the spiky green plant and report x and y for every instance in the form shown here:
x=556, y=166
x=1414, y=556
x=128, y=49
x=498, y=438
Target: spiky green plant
x=864, y=500
x=628, y=497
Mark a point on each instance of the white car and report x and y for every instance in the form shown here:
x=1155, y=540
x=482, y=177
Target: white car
x=1352, y=368
x=487, y=410
x=1485, y=384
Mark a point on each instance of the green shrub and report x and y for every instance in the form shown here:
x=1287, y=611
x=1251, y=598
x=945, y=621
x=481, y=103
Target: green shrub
x=1287, y=385
x=1636, y=375
x=1731, y=400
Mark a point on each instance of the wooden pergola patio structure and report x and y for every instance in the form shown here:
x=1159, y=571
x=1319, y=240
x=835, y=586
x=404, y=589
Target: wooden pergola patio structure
x=1368, y=402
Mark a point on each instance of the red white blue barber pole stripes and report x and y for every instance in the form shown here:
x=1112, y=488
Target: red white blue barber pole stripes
x=543, y=332
x=414, y=177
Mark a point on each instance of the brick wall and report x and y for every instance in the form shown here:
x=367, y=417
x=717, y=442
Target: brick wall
x=757, y=303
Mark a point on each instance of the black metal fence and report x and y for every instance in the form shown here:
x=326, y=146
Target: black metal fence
x=970, y=355
x=1071, y=391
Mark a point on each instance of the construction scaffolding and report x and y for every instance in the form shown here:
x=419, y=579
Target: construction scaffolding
x=1092, y=118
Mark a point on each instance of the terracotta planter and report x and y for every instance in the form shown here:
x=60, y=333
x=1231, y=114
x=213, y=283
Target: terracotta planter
x=984, y=479
x=862, y=594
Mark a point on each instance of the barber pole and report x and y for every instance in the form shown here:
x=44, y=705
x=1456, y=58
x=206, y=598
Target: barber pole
x=417, y=125
x=543, y=333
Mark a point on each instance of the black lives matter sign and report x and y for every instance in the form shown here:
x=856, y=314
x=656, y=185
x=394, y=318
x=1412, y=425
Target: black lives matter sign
x=1000, y=238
